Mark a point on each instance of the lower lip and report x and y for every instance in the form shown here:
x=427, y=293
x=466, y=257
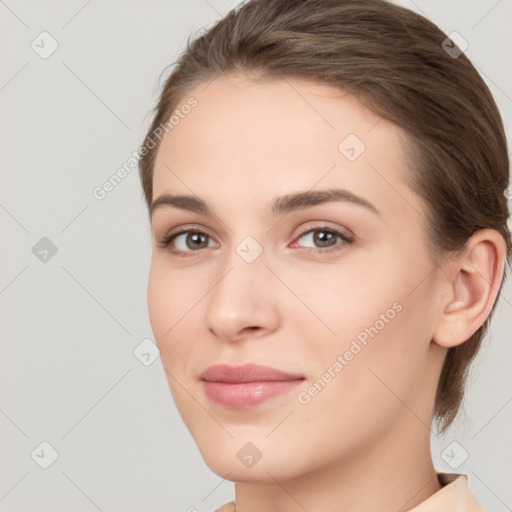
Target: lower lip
x=247, y=394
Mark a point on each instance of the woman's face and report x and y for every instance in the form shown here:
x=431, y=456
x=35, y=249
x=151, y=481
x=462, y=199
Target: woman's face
x=335, y=289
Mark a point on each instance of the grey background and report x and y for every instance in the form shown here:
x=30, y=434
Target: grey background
x=70, y=325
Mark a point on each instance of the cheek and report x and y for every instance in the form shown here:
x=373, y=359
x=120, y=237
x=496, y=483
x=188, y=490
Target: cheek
x=380, y=325
x=168, y=302
x=159, y=302
x=364, y=393
x=176, y=313
x=346, y=299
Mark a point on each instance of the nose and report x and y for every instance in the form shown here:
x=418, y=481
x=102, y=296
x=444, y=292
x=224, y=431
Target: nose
x=243, y=303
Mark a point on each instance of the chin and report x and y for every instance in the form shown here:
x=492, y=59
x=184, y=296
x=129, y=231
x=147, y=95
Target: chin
x=261, y=460
x=230, y=468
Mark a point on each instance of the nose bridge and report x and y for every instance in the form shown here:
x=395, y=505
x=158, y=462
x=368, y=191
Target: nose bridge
x=240, y=296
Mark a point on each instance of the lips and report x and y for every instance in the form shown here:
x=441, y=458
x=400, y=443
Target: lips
x=246, y=386
x=246, y=373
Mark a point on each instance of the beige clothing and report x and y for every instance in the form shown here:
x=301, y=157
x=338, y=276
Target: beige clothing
x=455, y=496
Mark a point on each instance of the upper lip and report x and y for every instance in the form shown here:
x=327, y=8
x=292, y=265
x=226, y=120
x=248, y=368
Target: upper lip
x=246, y=373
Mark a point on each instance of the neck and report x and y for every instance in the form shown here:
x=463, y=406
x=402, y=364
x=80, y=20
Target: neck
x=394, y=474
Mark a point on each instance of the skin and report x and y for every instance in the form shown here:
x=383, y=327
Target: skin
x=362, y=442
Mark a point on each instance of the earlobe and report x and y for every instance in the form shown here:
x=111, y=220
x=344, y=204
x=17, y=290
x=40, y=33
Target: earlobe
x=474, y=286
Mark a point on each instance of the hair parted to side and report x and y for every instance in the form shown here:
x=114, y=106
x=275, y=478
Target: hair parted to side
x=392, y=60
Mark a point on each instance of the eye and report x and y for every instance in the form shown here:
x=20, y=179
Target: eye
x=322, y=239
x=186, y=242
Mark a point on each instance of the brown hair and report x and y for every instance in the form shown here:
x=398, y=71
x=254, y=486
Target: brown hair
x=394, y=61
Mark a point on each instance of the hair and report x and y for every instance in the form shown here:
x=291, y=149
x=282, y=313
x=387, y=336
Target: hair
x=395, y=62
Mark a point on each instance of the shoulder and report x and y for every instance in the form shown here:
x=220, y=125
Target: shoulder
x=228, y=507
x=455, y=495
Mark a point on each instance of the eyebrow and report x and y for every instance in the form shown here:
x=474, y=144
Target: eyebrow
x=278, y=206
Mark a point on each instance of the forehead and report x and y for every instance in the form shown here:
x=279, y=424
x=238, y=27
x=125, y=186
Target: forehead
x=247, y=140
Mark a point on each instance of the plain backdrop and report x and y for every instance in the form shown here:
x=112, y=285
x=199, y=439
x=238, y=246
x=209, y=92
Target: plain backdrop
x=77, y=81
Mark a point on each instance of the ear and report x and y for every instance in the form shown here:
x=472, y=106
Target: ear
x=473, y=282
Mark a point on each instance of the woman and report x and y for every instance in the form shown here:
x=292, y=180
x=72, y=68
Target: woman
x=325, y=181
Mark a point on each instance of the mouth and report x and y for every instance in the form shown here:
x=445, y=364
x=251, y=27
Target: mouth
x=246, y=386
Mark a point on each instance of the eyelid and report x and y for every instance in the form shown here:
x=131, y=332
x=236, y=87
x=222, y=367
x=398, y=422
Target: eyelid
x=185, y=228
x=319, y=225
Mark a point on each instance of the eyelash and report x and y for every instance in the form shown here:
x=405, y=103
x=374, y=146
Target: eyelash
x=166, y=241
